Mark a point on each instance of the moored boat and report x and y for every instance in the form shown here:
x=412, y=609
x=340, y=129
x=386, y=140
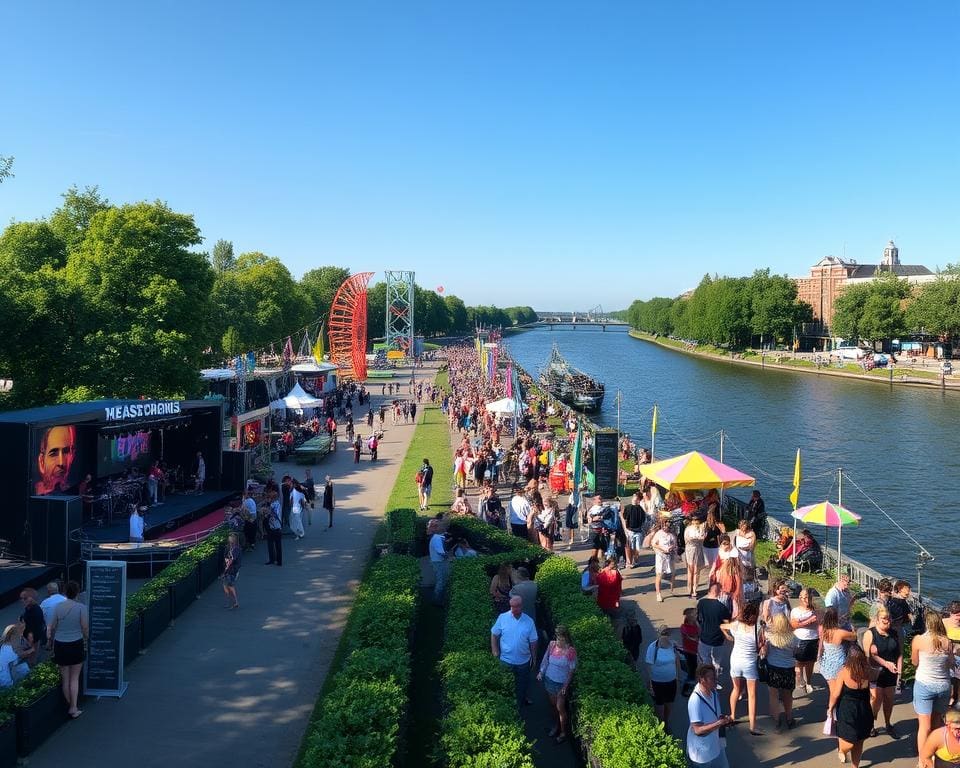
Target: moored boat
x=570, y=384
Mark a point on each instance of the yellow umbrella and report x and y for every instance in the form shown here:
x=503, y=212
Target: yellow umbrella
x=694, y=471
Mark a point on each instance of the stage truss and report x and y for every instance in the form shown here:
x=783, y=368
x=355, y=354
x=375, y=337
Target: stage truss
x=399, y=315
x=347, y=328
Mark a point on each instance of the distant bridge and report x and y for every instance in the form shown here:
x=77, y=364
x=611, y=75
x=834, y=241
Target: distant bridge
x=594, y=317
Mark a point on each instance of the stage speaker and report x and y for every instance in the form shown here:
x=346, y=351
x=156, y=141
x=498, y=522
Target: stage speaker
x=52, y=518
x=605, y=463
x=237, y=466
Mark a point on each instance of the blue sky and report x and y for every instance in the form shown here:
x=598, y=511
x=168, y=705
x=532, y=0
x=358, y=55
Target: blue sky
x=556, y=154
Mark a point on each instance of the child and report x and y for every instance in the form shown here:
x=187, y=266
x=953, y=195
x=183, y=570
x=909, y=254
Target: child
x=690, y=635
x=631, y=637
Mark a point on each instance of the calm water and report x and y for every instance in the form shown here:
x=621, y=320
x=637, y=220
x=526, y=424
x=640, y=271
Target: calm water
x=898, y=444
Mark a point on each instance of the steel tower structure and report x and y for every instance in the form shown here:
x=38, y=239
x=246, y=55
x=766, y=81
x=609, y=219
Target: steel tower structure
x=399, y=316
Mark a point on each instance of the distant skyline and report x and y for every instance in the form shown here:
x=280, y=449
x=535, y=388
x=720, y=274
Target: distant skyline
x=556, y=155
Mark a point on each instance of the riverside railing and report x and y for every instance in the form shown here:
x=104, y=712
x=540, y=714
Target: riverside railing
x=861, y=574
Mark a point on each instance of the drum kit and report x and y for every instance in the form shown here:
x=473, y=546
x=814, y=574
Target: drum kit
x=118, y=498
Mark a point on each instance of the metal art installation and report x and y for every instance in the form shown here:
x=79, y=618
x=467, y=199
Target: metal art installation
x=347, y=328
x=399, y=316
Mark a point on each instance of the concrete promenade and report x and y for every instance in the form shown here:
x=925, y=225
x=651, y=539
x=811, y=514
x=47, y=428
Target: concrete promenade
x=238, y=687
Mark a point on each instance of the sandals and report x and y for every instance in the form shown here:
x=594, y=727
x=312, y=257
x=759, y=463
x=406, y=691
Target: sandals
x=874, y=733
x=755, y=733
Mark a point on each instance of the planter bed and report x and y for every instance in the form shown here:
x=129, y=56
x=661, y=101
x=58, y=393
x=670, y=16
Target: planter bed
x=154, y=619
x=132, y=636
x=8, y=741
x=183, y=592
x=37, y=721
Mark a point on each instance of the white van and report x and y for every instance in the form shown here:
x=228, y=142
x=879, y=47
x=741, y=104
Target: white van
x=849, y=353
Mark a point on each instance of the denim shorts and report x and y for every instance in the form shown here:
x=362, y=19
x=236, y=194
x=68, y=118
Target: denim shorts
x=553, y=688
x=748, y=670
x=928, y=698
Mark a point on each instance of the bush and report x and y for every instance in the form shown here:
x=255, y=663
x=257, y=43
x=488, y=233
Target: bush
x=612, y=713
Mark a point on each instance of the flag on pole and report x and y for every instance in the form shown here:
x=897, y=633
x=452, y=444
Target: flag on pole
x=653, y=428
x=490, y=364
x=288, y=350
x=577, y=465
x=318, y=346
x=795, y=495
x=508, y=379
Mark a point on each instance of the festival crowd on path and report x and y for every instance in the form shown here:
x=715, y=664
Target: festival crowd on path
x=735, y=636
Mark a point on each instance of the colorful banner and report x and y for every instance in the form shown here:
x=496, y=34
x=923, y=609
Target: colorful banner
x=509, y=380
x=577, y=465
x=795, y=495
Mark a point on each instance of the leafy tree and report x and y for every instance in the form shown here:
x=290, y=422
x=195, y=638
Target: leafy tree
x=431, y=316
x=521, y=315
x=231, y=343
x=145, y=296
x=6, y=168
x=873, y=310
x=936, y=308
x=459, y=321
x=775, y=311
x=222, y=259
x=376, y=310
x=321, y=285
x=27, y=246
x=71, y=220
x=848, y=311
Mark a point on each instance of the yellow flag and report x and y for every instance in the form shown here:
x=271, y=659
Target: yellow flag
x=795, y=496
x=318, y=347
x=654, y=428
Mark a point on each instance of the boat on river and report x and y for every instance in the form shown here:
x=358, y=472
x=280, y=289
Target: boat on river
x=570, y=384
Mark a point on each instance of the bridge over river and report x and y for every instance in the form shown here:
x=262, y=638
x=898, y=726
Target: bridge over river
x=594, y=317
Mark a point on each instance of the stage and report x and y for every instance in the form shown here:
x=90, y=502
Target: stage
x=176, y=510
x=15, y=575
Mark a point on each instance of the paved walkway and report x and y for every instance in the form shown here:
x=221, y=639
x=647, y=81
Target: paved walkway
x=805, y=745
x=239, y=686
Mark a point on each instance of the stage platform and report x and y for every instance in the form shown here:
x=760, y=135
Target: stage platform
x=15, y=575
x=177, y=510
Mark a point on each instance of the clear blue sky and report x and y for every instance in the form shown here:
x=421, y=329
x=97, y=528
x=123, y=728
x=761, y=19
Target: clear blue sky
x=555, y=154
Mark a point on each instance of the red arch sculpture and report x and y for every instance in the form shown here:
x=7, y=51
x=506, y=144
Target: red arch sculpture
x=347, y=327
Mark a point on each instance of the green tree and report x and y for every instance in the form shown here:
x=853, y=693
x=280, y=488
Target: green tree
x=376, y=310
x=872, y=311
x=29, y=245
x=71, y=220
x=936, y=308
x=6, y=168
x=222, y=259
x=145, y=299
x=848, y=311
x=459, y=321
x=775, y=311
x=321, y=286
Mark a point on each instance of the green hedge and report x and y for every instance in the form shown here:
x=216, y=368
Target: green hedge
x=482, y=728
x=42, y=679
x=359, y=724
x=612, y=713
x=156, y=588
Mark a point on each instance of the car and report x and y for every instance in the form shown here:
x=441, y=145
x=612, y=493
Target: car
x=946, y=368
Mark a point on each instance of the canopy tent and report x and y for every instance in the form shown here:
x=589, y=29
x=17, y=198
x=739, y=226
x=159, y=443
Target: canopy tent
x=311, y=366
x=297, y=398
x=694, y=471
x=506, y=405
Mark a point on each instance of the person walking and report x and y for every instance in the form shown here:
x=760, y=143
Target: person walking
x=373, y=445
x=850, y=705
x=633, y=518
x=693, y=554
x=705, y=747
x=357, y=447
x=249, y=507
x=519, y=512
x=839, y=597
x=439, y=561
x=310, y=492
x=833, y=650
x=712, y=614
x=297, y=500
x=932, y=655
x=747, y=639
x=779, y=650
x=66, y=636
x=513, y=640
x=328, y=501
x=805, y=625
x=425, y=484
x=556, y=672
x=663, y=669
x=882, y=646
x=664, y=545
x=942, y=747
x=274, y=526
x=231, y=570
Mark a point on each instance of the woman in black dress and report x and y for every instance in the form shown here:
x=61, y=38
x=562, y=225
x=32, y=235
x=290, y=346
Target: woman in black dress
x=882, y=644
x=328, y=499
x=850, y=705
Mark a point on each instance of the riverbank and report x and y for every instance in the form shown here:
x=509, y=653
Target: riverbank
x=788, y=361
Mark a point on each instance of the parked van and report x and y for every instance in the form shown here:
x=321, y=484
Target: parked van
x=849, y=353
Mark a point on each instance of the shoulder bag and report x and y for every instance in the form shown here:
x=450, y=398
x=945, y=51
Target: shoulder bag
x=763, y=669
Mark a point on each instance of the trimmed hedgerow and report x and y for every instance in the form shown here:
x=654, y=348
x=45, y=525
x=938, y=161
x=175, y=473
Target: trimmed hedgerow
x=359, y=724
x=612, y=713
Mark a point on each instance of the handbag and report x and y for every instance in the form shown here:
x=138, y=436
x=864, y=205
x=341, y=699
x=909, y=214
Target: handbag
x=829, y=725
x=763, y=669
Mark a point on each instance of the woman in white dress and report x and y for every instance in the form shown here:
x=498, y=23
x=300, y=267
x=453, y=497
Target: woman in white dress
x=297, y=500
x=664, y=545
x=745, y=541
x=693, y=554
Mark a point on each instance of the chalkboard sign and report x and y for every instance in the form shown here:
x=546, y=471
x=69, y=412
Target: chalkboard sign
x=605, y=467
x=106, y=603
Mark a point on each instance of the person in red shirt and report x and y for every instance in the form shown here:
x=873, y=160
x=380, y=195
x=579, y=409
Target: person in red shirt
x=690, y=635
x=609, y=587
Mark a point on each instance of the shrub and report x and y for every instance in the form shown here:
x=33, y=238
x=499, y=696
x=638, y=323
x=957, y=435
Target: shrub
x=612, y=712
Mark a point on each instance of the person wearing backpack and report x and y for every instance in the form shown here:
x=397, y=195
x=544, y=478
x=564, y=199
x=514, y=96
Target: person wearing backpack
x=424, y=480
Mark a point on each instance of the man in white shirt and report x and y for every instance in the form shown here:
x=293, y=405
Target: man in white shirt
x=201, y=473
x=513, y=640
x=519, y=511
x=704, y=747
x=54, y=597
x=439, y=562
x=136, y=525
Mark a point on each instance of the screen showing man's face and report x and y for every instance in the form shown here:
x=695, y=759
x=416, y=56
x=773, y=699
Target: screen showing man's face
x=56, y=457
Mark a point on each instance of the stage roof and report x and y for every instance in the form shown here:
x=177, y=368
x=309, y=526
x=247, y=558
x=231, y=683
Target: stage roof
x=91, y=410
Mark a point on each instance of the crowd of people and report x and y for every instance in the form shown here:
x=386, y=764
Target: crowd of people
x=736, y=637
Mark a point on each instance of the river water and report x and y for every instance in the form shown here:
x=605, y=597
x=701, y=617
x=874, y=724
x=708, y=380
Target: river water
x=899, y=444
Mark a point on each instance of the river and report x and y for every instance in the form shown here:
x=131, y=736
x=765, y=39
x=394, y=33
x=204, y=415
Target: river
x=899, y=444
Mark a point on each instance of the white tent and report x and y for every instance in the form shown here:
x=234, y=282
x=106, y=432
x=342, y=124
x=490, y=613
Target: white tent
x=297, y=399
x=506, y=405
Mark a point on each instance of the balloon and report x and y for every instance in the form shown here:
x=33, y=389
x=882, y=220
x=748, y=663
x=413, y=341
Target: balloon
x=439, y=289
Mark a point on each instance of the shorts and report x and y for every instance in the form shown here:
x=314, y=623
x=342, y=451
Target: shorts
x=663, y=563
x=553, y=687
x=806, y=651
x=229, y=579
x=664, y=693
x=928, y=699
x=635, y=540
x=426, y=490
x=747, y=670
x=571, y=519
x=68, y=654
x=601, y=541
x=782, y=678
